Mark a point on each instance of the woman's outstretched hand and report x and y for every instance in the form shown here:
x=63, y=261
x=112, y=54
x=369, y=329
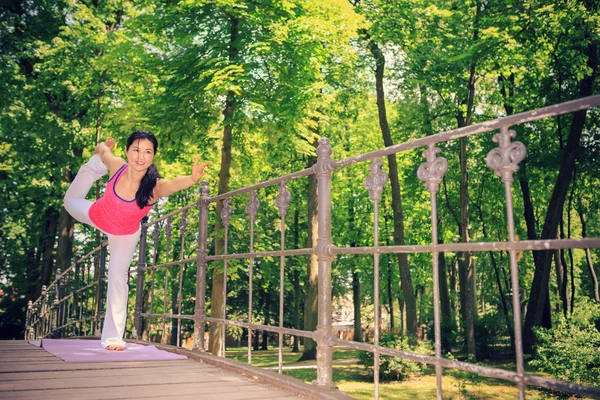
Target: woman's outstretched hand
x=198, y=170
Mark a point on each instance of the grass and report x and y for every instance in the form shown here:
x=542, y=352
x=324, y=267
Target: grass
x=356, y=381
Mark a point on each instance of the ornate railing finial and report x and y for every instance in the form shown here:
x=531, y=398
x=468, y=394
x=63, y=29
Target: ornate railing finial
x=432, y=171
x=252, y=206
x=505, y=159
x=169, y=228
x=375, y=181
x=204, y=190
x=183, y=222
x=282, y=201
x=226, y=211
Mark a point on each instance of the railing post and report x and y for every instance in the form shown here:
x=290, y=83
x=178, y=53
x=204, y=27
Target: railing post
x=28, y=320
x=199, y=311
x=62, y=306
x=139, y=291
x=431, y=173
x=57, y=294
x=323, y=170
x=75, y=312
x=100, y=292
x=504, y=160
x=54, y=317
x=44, y=310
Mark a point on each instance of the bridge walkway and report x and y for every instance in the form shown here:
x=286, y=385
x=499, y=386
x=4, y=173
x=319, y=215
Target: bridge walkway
x=29, y=372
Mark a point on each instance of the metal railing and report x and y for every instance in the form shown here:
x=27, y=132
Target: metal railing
x=503, y=160
x=73, y=303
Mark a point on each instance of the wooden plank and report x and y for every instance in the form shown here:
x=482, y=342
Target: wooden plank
x=23, y=376
x=60, y=365
x=204, y=390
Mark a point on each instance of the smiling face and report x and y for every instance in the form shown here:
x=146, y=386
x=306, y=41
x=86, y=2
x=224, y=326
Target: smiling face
x=140, y=154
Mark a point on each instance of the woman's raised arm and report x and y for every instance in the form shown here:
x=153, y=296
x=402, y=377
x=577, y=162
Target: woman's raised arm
x=165, y=188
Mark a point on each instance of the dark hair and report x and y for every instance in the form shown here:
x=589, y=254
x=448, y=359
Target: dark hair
x=144, y=192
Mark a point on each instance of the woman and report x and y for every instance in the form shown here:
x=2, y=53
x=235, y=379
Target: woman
x=133, y=188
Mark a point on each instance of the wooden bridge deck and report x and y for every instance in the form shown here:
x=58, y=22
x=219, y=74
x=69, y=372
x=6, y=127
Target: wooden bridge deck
x=28, y=372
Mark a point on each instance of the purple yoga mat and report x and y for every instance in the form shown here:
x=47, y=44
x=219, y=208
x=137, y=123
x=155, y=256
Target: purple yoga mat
x=92, y=351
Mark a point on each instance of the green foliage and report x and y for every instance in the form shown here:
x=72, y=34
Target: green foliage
x=395, y=368
x=466, y=382
x=490, y=330
x=569, y=351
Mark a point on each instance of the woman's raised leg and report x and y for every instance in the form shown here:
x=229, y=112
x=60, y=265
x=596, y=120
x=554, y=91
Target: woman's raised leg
x=75, y=201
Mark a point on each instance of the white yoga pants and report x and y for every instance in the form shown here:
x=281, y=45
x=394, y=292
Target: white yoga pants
x=121, y=248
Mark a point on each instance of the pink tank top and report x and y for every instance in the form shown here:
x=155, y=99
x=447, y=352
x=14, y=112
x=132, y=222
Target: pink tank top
x=114, y=215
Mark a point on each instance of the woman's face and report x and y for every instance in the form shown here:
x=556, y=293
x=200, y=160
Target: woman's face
x=140, y=154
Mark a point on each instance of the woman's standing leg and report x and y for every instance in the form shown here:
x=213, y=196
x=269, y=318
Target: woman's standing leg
x=121, y=250
x=75, y=201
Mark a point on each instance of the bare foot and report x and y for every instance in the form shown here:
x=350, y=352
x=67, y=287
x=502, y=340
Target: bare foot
x=115, y=347
x=109, y=142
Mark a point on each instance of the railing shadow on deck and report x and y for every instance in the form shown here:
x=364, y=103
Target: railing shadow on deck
x=73, y=303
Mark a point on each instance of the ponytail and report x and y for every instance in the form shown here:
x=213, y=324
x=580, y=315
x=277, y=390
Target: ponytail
x=148, y=183
x=144, y=192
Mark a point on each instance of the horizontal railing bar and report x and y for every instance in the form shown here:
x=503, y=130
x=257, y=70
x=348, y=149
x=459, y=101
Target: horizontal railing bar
x=275, y=253
x=270, y=328
x=51, y=285
x=171, y=214
x=529, y=116
x=97, y=248
x=172, y=316
x=169, y=264
x=247, y=189
x=551, y=244
x=468, y=367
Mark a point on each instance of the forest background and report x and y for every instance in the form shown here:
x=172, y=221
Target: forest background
x=252, y=85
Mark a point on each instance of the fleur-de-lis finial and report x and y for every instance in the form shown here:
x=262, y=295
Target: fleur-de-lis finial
x=226, y=211
x=155, y=234
x=505, y=158
x=374, y=182
x=282, y=201
x=183, y=222
x=432, y=171
x=252, y=206
x=169, y=228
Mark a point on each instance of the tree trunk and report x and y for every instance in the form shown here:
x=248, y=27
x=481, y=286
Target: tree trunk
x=66, y=223
x=267, y=313
x=174, y=305
x=538, y=298
x=558, y=269
x=64, y=248
x=564, y=290
x=390, y=295
x=569, y=208
x=405, y=275
x=588, y=258
x=218, y=279
x=312, y=268
x=466, y=273
x=48, y=240
x=356, y=299
x=402, y=315
x=446, y=312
